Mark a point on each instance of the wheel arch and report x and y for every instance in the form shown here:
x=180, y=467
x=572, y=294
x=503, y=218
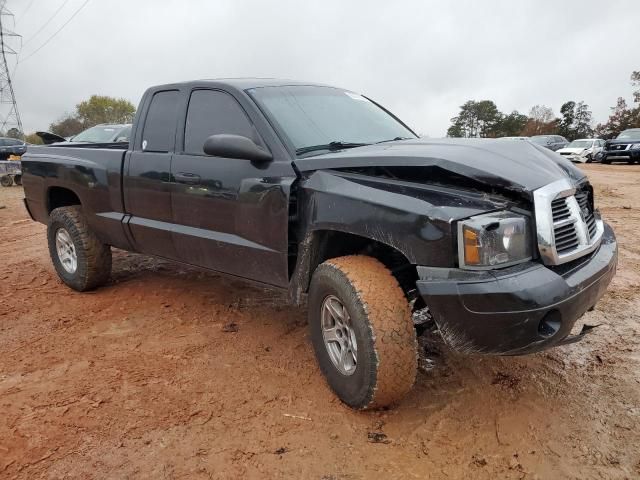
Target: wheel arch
x=321, y=245
x=57, y=197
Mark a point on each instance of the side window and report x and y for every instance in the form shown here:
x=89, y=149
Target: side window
x=159, y=130
x=213, y=112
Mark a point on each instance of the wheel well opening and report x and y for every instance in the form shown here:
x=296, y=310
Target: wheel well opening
x=332, y=244
x=61, y=197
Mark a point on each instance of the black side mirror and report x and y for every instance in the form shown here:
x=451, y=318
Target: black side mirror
x=235, y=146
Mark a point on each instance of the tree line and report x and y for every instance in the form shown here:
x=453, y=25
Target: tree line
x=89, y=113
x=483, y=119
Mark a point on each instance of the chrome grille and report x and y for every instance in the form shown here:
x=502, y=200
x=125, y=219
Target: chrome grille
x=564, y=228
x=586, y=208
x=567, y=225
x=560, y=209
x=620, y=146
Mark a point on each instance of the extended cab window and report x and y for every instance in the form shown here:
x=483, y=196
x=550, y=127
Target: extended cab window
x=213, y=112
x=160, y=125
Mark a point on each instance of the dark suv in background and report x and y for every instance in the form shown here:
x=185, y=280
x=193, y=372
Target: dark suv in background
x=552, y=142
x=11, y=146
x=624, y=148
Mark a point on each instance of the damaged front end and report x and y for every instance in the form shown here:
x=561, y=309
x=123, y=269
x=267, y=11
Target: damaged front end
x=434, y=202
x=517, y=310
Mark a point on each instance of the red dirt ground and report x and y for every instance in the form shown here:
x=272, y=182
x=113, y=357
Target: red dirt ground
x=144, y=378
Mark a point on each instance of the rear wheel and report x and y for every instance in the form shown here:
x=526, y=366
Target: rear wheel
x=80, y=259
x=17, y=179
x=6, y=181
x=362, y=331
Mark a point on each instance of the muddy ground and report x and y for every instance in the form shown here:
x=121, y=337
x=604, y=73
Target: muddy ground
x=148, y=378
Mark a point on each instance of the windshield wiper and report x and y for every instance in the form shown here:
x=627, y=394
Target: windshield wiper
x=329, y=146
x=394, y=139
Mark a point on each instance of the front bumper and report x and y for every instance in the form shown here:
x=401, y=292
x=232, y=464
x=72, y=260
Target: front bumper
x=516, y=310
x=575, y=157
x=622, y=155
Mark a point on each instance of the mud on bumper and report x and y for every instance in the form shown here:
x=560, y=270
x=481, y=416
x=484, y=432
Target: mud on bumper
x=517, y=310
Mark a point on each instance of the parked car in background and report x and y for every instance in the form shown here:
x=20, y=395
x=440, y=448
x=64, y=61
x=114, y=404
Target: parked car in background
x=103, y=133
x=552, y=142
x=624, y=148
x=583, y=150
x=11, y=146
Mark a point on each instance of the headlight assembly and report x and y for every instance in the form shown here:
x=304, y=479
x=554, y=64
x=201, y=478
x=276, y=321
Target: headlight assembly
x=493, y=240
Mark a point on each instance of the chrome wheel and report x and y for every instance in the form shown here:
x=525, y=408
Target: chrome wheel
x=66, y=251
x=339, y=336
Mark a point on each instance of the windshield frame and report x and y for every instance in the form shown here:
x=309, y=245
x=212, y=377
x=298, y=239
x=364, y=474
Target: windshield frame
x=541, y=140
x=284, y=137
x=116, y=131
x=588, y=142
x=634, y=131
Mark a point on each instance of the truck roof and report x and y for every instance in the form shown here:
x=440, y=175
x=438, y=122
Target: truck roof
x=238, y=83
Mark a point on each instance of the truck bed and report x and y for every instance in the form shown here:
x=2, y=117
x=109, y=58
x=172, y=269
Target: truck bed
x=92, y=171
x=109, y=145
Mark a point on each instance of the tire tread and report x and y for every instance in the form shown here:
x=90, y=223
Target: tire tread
x=389, y=316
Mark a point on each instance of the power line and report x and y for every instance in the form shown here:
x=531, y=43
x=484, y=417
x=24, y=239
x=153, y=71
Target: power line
x=25, y=11
x=55, y=33
x=46, y=23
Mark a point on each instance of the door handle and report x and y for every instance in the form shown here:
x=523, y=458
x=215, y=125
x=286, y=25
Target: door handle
x=186, y=177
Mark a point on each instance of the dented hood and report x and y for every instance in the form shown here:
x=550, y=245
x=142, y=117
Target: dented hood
x=512, y=165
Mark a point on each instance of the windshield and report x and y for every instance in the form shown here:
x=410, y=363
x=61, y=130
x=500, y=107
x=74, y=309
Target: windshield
x=541, y=139
x=630, y=134
x=102, y=134
x=327, y=118
x=580, y=144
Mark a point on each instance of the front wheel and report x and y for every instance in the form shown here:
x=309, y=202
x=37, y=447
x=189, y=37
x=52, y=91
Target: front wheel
x=6, y=181
x=81, y=260
x=362, y=331
x=589, y=158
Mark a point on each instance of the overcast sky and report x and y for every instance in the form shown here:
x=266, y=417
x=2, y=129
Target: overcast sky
x=421, y=59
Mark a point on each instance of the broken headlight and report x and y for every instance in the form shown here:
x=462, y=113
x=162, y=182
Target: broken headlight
x=493, y=240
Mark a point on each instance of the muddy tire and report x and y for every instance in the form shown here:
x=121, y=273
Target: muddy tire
x=80, y=259
x=6, y=181
x=373, y=362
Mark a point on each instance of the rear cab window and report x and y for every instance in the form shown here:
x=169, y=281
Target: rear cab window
x=158, y=134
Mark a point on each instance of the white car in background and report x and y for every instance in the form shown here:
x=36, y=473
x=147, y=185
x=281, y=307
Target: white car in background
x=583, y=150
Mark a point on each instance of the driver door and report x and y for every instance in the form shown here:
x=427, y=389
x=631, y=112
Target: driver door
x=229, y=215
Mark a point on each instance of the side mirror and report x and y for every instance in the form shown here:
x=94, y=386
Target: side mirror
x=235, y=146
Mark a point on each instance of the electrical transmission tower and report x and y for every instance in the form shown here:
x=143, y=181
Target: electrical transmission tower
x=9, y=116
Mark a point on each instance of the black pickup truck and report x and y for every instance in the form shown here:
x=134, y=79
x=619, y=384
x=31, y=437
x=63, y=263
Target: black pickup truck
x=322, y=192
